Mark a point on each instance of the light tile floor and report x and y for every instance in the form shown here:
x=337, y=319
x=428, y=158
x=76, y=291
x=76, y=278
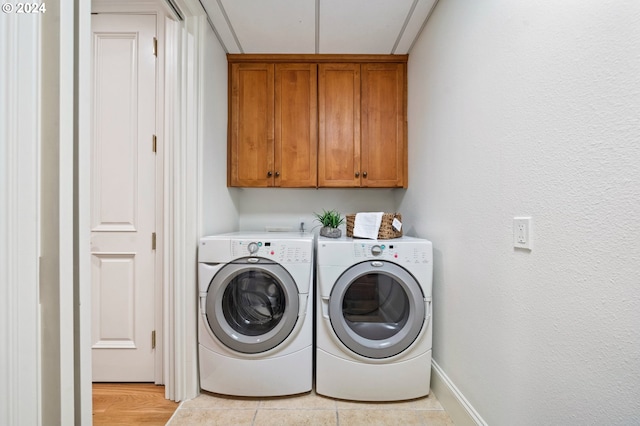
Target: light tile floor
x=307, y=409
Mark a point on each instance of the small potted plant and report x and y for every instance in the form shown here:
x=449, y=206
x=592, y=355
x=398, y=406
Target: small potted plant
x=330, y=220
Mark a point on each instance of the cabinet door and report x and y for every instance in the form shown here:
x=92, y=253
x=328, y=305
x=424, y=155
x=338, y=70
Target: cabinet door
x=384, y=154
x=296, y=125
x=339, y=125
x=251, y=161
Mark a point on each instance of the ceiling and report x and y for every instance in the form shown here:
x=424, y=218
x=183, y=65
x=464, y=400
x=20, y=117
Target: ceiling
x=318, y=26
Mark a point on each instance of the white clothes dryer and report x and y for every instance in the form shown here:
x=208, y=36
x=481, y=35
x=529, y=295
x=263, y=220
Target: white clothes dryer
x=374, y=332
x=255, y=328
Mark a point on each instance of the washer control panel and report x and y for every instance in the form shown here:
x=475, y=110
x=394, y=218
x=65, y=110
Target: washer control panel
x=406, y=253
x=279, y=251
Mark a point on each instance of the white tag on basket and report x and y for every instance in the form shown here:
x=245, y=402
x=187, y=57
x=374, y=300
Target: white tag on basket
x=397, y=225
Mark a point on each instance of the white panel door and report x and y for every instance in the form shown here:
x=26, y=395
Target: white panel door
x=123, y=191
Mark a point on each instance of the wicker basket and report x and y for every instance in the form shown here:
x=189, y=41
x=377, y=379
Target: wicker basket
x=386, y=232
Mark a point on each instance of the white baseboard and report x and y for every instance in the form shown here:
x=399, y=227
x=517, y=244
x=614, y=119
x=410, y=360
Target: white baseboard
x=459, y=409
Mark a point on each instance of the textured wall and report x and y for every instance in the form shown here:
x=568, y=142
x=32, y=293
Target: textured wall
x=219, y=205
x=286, y=207
x=532, y=108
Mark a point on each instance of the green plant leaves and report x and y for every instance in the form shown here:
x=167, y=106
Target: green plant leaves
x=330, y=218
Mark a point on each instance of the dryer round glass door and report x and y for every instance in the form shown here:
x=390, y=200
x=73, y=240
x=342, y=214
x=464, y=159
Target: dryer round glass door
x=252, y=306
x=377, y=309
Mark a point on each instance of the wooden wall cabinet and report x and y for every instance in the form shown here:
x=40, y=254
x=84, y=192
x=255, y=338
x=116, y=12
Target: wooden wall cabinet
x=362, y=130
x=273, y=125
x=383, y=125
x=339, y=125
x=317, y=120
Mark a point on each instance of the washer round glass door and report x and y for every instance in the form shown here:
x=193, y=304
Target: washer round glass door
x=377, y=309
x=252, y=305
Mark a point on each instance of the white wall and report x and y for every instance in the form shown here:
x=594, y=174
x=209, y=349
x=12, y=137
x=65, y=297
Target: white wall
x=219, y=204
x=531, y=108
x=287, y=207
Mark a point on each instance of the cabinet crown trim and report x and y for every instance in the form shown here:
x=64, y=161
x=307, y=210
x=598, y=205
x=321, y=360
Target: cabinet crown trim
x=315, y=58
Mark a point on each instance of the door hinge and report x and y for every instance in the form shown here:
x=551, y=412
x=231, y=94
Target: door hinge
x=153, y=339
x=153, y=241
x=155, y=47
x=155, y=143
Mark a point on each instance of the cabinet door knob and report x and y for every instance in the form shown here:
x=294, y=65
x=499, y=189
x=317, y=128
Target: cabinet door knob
x=269, y=173
x=364, y=174
x=277, y=174
x=357, y=174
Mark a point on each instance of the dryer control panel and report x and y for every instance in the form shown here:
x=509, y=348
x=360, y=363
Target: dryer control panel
x=402, y=253
x=279, y=251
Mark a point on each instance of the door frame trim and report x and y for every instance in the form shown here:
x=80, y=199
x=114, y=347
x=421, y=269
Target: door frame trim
x=182, y=199
x=20, y=220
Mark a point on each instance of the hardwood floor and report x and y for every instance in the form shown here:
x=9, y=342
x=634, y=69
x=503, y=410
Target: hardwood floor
x=131, y=404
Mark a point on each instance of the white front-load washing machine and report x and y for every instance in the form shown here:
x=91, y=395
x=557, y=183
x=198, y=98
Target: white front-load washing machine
x=255, y=328
x=373, y=328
